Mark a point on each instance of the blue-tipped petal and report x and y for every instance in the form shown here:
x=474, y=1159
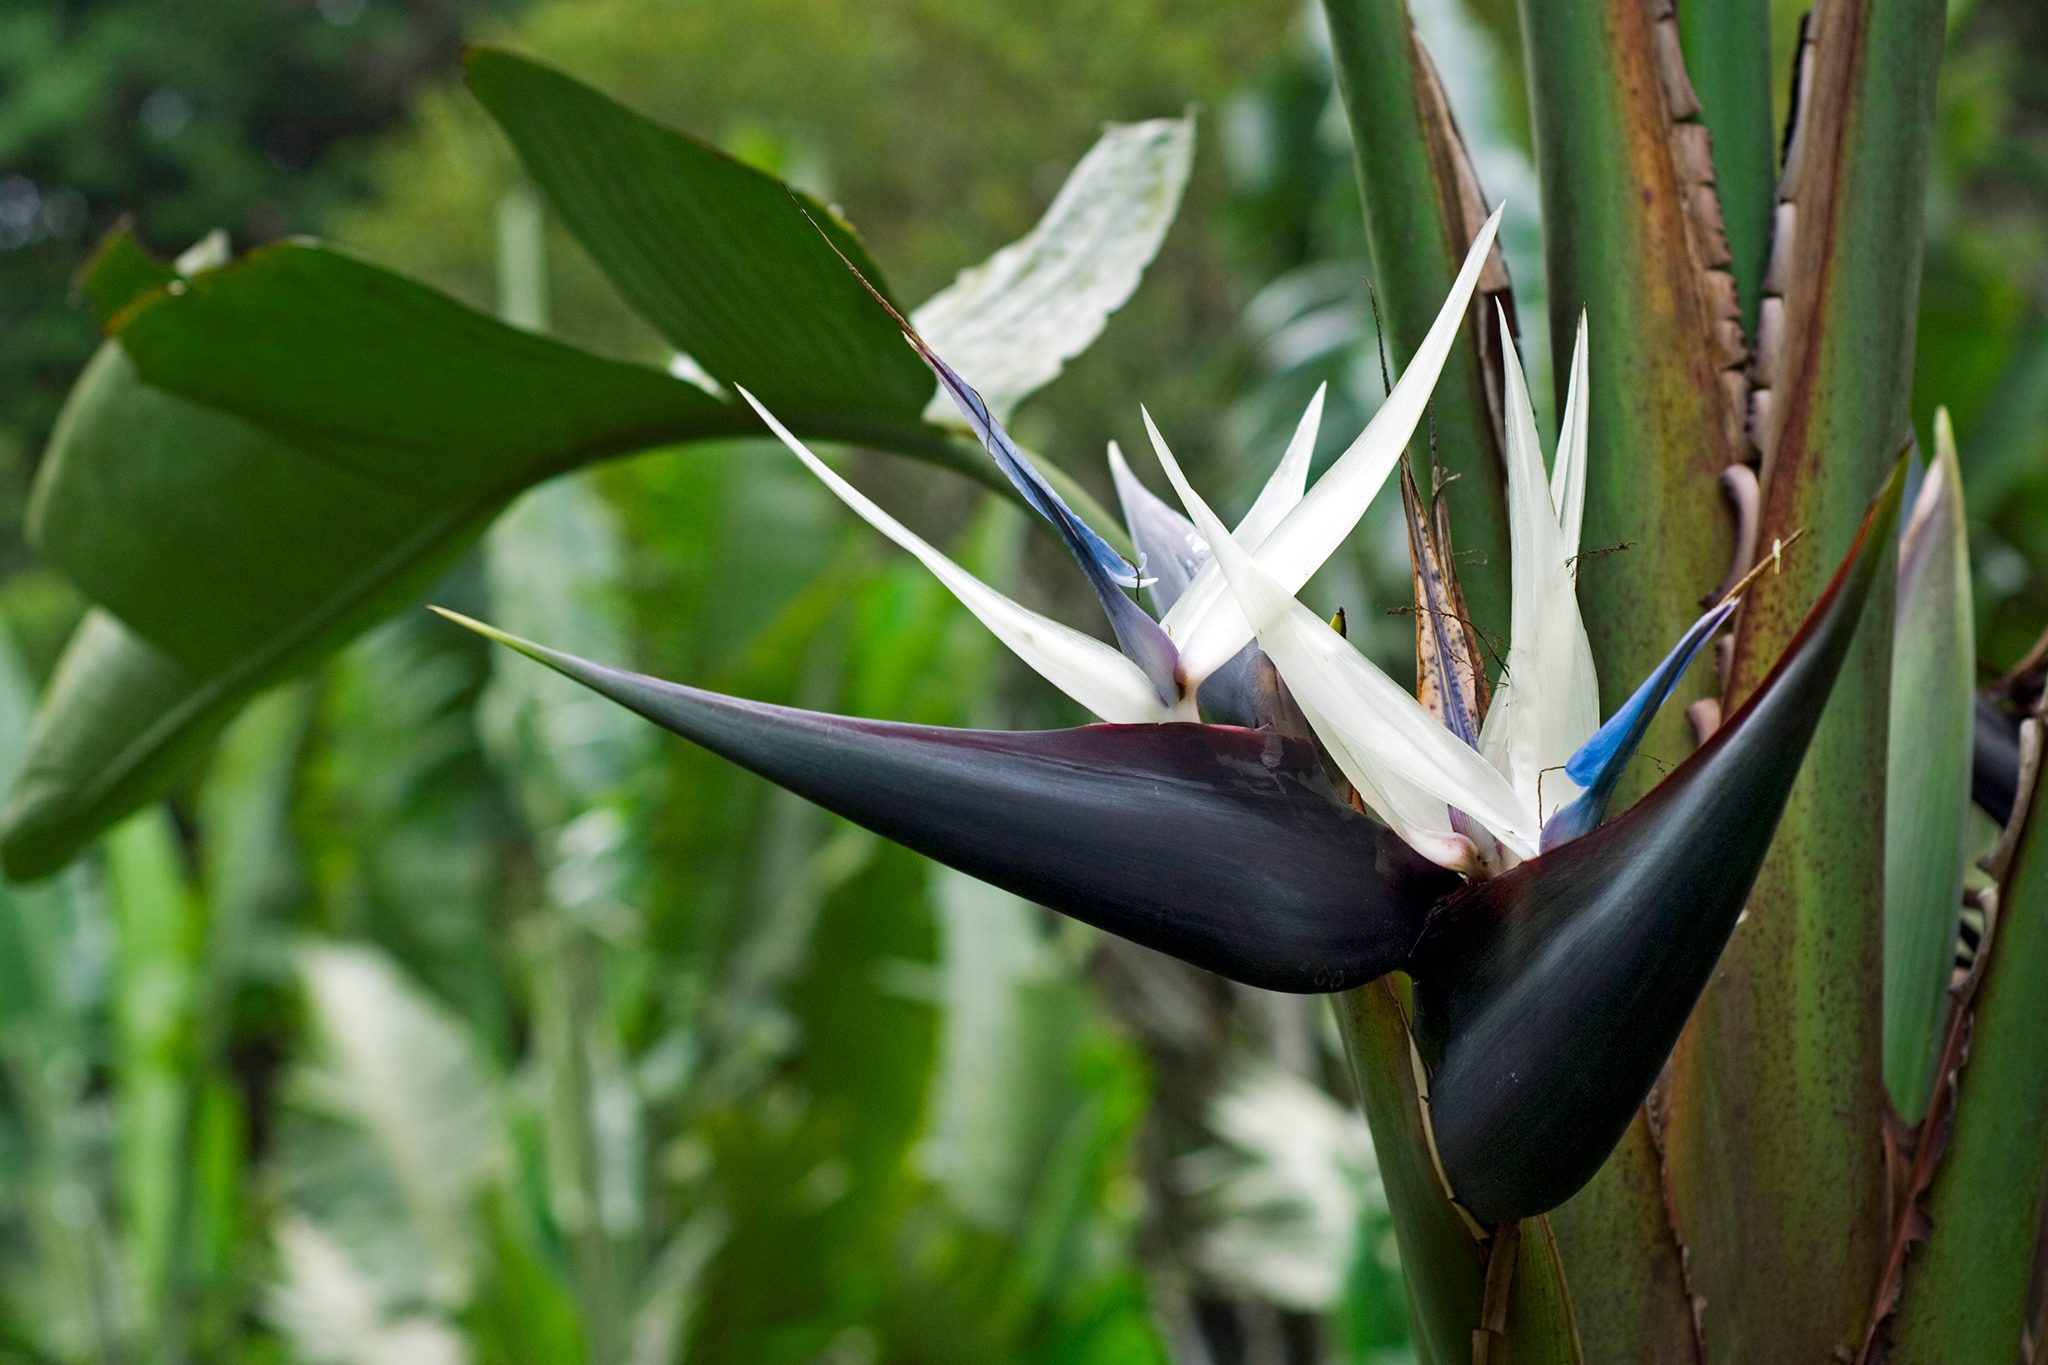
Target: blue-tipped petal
x=1598, y=763
x=1108, y=572
x=1223, y=847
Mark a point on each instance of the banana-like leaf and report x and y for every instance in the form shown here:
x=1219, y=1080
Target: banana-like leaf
x=706, y=248
x=1775, y=1172
x=1927, y=777
x=1549, y=997
x=1011, y=323
x=1965, y=1293
x=1423, y=207
x=374, y=427
x=355, y=388
x=1223, y=847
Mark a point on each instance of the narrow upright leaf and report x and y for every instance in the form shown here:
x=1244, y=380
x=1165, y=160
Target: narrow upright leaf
x=1781, y=1138
x=1966, y=1289
x=1927, y=778
x=1423, y=204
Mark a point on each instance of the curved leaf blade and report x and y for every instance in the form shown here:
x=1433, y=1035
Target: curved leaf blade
x=1015, y=320
x=1927, y=778
x=709, y=250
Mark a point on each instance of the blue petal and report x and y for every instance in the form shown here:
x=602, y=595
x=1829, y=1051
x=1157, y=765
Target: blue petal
x=1137, y=635
x=1109, y=573
x=1598, y=763
x=1093, y=552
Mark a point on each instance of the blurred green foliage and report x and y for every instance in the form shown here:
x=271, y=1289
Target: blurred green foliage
x=446, y=1017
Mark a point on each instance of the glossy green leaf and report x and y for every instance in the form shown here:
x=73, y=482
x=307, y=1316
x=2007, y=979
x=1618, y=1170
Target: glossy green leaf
x=1772, y=1148
x=1422, y=208
x=1011, y=323
x=356, y=390
x=118, y=722
x=713, y=252
x=1966, y=1289
x=1933, y=695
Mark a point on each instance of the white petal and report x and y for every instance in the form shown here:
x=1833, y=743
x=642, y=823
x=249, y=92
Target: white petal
x=1548, y=701
x=1289, y=480
x=1093, y=673
x=1568, y=471
x=1205, y=623
x=1405, y=764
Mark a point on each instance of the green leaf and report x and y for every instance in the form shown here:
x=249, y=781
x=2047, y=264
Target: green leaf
x=160, y=929
x=1728, y=54
x=1928, y=777
x=1772, y=1151
x=153, y=504
x=1966, y=1289
x=1011, y=323
x=713, y=252
x=1422, y=208
x=118, y=271
x=118, y=722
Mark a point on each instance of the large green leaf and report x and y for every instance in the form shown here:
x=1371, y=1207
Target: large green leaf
x=1777, y=1095
x=1422, y=209
x=707, y=249
x=1928, y=777
x=1010, y=323
x=303, y=441
x=1965, y=1295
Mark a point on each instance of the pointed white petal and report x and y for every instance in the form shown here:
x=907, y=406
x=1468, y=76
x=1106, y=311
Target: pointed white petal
x=1091, y=672
x=1205, y=623
x=1568, y=471
x=1405, y=764
x=1548, y=701
x=1289, y=480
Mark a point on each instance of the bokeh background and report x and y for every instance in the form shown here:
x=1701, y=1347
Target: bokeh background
x=444, y=1016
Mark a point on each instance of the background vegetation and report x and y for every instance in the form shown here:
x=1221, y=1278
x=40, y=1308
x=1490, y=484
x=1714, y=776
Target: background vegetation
x=447, y=1015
